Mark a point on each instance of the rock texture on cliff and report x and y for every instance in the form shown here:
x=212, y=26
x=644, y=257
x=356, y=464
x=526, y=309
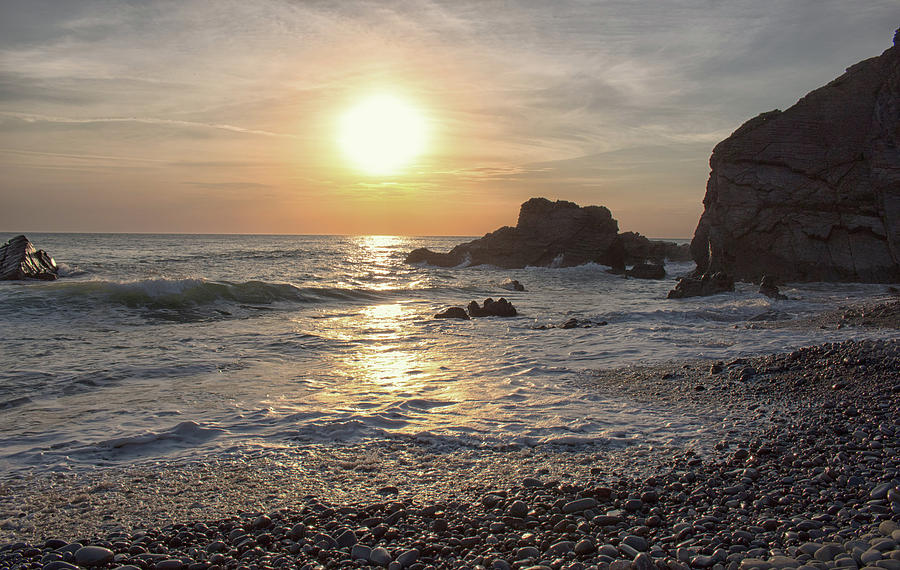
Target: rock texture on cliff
x=811, y=193
x=20, y=260
x=559, y=234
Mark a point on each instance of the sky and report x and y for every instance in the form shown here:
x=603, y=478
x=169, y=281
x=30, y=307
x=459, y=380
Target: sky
x=224, y=116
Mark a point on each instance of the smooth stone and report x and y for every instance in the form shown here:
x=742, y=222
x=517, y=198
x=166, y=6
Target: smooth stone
x=883, y=544
x=408, y=558
x=887, y=527
x=527, y=552
x=880, y=491
x=608, y=550
x=380, y=556
x=346, y=539
x=360, y=552
x=562, y=547
x=828, y=552
x=170, y=564
x=871, y=555
x=93, y=556
x=783, y=562
x=628, y=550
x=579, y=505
x=518, y=509
x=889, y=564
x=633, y=505
x=500, y=564
x=584, y=546
x=59, y=565
x=637, y=542
x=754, y=563
x=643, y=562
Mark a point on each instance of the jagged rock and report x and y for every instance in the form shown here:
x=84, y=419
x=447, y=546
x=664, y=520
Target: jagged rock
x=20, y=260
x=492, y=308
x=707, y=284
x=768, y=288
x=453, y=313
x=639, y=248
x=647, y=271
x=811, y=193
x=548, y=234
x=512, y=285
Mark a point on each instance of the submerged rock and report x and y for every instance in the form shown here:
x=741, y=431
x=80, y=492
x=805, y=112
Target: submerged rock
x=707, y=284
x=553, y=234
x=811, y=193
x=20, y=260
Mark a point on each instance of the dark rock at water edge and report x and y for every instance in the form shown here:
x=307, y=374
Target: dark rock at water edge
x=811, y=193
x=647, y=271
x=707, y=284
x=768, y=288
x=492, y=308
x=552, y=234
x=453, y=313
x=20, y=260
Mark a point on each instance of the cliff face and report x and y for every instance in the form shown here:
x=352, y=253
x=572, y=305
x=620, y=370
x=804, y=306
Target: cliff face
x=811, y=193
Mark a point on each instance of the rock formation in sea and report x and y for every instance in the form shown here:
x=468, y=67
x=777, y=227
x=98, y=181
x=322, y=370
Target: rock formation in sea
x=490, y=308
x=811, y=193
x=559, y=234
x=20, y=260
x=706, y=284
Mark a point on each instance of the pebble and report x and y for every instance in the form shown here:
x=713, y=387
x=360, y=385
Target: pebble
x=93, y=556
x=380, y=556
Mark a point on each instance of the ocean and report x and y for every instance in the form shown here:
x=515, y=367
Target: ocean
x=183, y=347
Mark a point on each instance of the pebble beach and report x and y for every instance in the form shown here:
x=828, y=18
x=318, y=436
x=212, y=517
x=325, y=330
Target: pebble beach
x=806, y=474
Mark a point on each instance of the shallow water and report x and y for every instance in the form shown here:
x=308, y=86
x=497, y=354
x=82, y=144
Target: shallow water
x=167, y=346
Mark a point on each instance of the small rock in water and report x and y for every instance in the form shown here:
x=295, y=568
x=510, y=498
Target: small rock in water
x=453, y=313
x=512, y=285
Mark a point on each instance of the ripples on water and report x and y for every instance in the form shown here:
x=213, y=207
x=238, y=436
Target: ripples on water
x=159, y=346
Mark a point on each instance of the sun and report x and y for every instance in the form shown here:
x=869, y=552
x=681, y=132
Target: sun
x=382, y=134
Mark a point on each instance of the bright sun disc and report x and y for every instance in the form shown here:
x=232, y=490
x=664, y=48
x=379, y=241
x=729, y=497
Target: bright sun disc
x=382, y=134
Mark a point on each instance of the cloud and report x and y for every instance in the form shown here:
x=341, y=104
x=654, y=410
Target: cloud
x=229, y=185
x=31, y=118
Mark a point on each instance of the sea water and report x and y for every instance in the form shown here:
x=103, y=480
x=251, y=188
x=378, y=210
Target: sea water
x=157, y=347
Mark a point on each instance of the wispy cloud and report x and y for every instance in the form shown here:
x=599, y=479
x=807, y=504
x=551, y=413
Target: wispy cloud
x=32, y=118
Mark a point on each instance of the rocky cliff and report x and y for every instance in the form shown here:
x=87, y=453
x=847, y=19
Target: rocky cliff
x=560, y=234
x=811, y=193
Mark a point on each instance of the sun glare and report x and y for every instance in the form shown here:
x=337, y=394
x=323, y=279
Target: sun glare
x=382, y=134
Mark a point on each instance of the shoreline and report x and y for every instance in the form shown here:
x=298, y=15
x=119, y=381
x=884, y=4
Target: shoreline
x=824, y=417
